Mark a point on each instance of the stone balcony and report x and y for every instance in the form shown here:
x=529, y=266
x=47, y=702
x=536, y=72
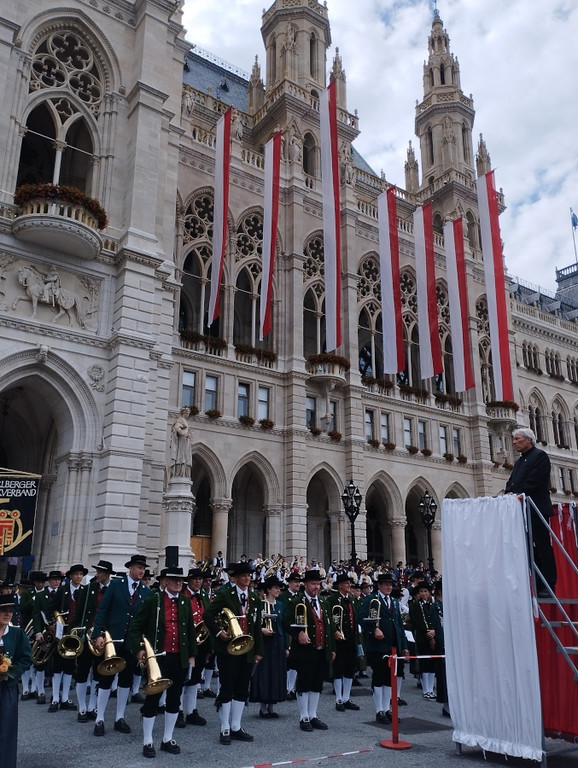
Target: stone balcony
x=60, y=226
x=327, y=369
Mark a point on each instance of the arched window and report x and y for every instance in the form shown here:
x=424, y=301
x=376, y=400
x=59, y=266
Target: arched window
x=370, y=334
x=442, y=74
x=313, y=55
x=445, y=381
x=309, y=155
x=314, y=298
x=472, y=231
x=466, y=143
x=429, y=147
x=536, y=418
x=438, y=224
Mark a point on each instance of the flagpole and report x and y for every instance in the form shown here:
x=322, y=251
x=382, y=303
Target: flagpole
x=574, y=222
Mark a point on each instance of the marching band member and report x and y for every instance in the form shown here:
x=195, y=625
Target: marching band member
x=269, y=678
x=293, y=583
x=380, y=618
x=166, y=620
x=346, y=636
x=42, y=618
x=199, y=603
x=119, y=606
x=312, y=648
x=235, y=670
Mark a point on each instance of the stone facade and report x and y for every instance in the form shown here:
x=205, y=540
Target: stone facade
x=104, y=331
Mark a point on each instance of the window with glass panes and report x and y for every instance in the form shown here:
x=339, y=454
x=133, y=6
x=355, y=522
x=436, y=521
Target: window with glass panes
x=443, y=439
x=421, y=435
x=407, y=432
x=188, y=389
x=369, y=425
x=456, y=442
x=263, y=403
x=242, y=399
x=332, y=416
x=384, y=426
x=310, y=412
x=211, y=390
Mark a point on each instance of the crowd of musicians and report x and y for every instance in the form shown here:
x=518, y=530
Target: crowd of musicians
x=263, y=631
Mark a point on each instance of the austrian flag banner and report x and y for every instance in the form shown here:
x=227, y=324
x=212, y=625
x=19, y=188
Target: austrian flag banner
x=430, y=351
x=495, y=286
x=270, y=219
x=393, y=354
x=221, y=208
x=331, y=216
x=458, y=301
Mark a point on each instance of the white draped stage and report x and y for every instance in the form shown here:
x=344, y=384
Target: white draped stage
x=491, y=658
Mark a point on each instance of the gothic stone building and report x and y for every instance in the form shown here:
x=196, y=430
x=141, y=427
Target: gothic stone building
x=104, y=331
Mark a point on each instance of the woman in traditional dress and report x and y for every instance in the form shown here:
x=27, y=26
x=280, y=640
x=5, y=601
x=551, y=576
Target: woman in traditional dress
x=269, y=681
x=14, y=660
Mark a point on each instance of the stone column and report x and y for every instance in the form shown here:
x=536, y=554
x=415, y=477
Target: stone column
x=398, y=541
x=273, y=533
x=178, y=505
x=220, y=509
x=336, y=526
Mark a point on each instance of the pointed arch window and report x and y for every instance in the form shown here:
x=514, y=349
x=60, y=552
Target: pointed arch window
x=466, y=144
x=309, y=155
x=429, y=146
x=313, y=55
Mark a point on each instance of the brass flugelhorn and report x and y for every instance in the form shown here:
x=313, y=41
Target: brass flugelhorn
x=156, y=682
x=267, y=615
x=374, y=610
x=91, y=646
x=111, y=664
x=240, y=643
x=337, y=618
x=301, y=618
x=201, y=632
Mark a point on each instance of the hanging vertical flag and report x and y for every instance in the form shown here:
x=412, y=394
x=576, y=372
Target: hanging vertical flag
x=495, y=286
x=220, y=209
x=430, y=350
x=331, y=216
x=271, y=216
x=392, y=325
x=458, y=301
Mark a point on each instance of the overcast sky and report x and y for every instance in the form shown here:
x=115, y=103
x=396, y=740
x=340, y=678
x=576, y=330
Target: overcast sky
x=519, y=61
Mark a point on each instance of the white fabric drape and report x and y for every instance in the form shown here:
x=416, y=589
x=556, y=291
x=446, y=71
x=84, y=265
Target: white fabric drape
x=491, y=658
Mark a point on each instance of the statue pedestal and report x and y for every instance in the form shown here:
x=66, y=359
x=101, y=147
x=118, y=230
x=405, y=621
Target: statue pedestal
x=178, y=508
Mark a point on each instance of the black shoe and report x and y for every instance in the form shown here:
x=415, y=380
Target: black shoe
x=241, y=735
x=181, y=722
x=266, y=715
x=209, y=694
x=350, y=705
x=82, y=717
x=305, y=725
x=356, y=683
x=149, y=750
x=99, y=728
x=401, y=702
x=41, y=699
x=137, y=698
x=68, y=705
x=225, y=737
x=25, y=696
x=200, y=694
x=195, y=719
x=318, y=724
x=170, y=746
x=339, y=706
x=291, y=696
x=53, y=706
x=381, y=717
x=33, y=694
x=389, y=714
x=91, y=714
x=122, y=725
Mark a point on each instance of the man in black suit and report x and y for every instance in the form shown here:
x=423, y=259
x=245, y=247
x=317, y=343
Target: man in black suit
x=531, y=475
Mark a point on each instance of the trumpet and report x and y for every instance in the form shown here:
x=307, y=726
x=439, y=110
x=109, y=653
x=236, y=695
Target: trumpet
x=240, y=642
x=374, y=610
x=156, y=682
x=71, y=645
x=337, y=618
x=301, y=618
x=111, y=664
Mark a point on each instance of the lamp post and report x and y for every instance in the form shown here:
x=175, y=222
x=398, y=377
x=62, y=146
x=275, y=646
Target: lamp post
x=351, y=498
x=427, y=510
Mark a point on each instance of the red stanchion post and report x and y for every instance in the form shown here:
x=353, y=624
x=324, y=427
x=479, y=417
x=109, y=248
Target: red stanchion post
x=394, y=742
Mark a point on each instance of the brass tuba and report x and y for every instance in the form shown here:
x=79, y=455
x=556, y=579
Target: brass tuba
x=111, y=664
x=156, y=682
x=274, y=567
x=240, y=643
x=71, y=645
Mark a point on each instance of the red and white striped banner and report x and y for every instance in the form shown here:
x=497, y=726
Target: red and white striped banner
x=458, y=301
x=430, y=351
x=220, y=209
x=270, y=219
x=392, y=324
x=495, y=287
x=331, y=216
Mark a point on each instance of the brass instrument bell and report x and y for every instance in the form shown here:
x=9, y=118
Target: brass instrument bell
x=240, y=643
x=111, y=664
x=156, y=682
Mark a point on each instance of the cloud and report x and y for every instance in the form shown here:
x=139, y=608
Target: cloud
x=516, y=58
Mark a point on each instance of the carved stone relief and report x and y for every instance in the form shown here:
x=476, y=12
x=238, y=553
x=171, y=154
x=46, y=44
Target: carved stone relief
x=48, y=295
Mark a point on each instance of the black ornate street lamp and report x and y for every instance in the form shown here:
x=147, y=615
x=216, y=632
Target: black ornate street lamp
x=427, y=510
x=351, y=498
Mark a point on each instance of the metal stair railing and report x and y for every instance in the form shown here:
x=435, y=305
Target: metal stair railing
x=566, y=650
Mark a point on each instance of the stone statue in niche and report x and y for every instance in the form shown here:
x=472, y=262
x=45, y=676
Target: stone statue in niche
x=237, y=126
x=181, y=446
